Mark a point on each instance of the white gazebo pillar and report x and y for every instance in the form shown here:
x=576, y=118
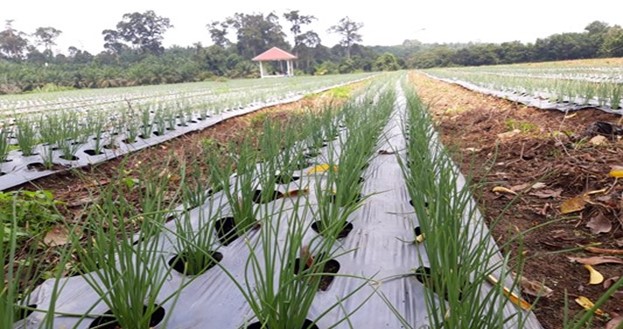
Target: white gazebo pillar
x=289, y=65
x=261, y=70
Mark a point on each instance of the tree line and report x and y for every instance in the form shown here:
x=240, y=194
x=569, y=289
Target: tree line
x=134, y=53
x=598, y=39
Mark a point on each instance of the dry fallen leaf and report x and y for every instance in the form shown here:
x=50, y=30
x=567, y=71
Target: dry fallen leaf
x=502, y=189
x=509, y=134
x=534, y=288
x=598, y=140
x=57, y=236
x=511, y=295
x=599, y=224
x=615, y=323
x=617, y=172
x=595, y=276
x=324, y=167
x=520, y=187
x=573, y=205
x=538, y=185
x=587, y=304
x=294, y=193
x=545, y=194
x=597, y=250
x=610, y=281
x=596, y=260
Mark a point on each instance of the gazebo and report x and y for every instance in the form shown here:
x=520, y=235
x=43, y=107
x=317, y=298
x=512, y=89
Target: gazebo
x=276, y=54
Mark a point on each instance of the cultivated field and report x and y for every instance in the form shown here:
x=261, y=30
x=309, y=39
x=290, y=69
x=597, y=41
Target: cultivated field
x=585, y=83
x=341, y=209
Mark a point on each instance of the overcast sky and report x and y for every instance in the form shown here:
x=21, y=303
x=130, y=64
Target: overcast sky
x=386, y=22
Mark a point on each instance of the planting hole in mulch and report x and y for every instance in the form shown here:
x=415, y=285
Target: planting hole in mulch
x=21, y=314
x=70, y=158
x=419, y=236
x=260, y=196
x=348, y=227
x=226, y=230
x=308, y=324
x=311, y=154
x=330, y=266
x=411, y=203
x=111, y=146
x=127, y=141
x=180, y=262
x=92, y=152
x=38, y=166
x=144, y=137
x=302, y=164
x=285, y=178
x=157, y=133
x=424, y=275
x=106, y=321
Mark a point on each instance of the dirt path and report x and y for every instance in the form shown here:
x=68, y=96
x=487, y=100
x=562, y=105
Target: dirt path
x=510, y=145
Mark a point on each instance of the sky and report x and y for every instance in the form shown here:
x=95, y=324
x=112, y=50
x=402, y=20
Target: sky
x=386, y=22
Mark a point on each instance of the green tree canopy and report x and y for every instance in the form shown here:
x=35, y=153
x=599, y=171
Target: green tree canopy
x=142, y=32
x=350, y=33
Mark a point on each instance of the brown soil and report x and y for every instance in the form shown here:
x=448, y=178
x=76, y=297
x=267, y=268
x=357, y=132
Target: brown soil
x=501, y=143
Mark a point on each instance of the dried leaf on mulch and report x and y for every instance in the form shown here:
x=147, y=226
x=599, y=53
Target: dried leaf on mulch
x=599, y=224
x=610, y=281
x=596, y=260
x=533, y=288
x=617, y=172
x=502, y=189
x=615, y=322
x=587, y=304
x=57, y=236
x=598, y=140
x=595, y=276
x=574, y=204
x=546, y=194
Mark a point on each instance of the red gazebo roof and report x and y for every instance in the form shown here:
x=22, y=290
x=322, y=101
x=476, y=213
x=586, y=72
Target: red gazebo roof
x=274, y=54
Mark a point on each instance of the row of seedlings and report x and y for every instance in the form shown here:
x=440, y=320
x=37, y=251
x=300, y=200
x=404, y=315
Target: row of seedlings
x=606, y=93
x=127, y=271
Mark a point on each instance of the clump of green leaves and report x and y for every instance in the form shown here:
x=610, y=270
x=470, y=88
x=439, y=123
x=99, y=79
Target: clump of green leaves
x=523, y=126
x=35, y=212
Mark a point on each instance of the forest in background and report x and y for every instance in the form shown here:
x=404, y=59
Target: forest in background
x=134, y=55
